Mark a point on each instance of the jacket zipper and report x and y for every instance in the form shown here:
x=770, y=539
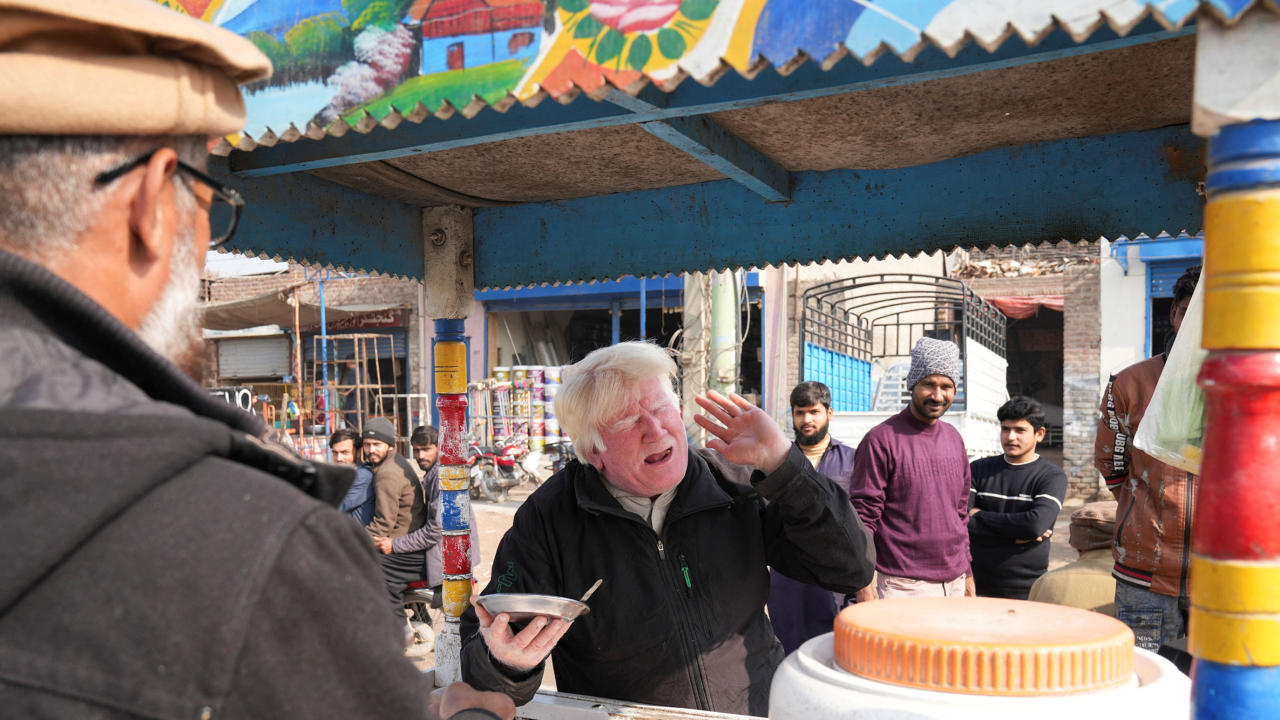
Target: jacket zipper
x=688, y=644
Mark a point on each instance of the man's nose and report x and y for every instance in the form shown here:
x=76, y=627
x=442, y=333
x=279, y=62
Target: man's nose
x=649, y=424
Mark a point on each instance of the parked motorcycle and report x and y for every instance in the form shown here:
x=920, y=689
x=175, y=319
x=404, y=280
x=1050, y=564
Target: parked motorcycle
x=495, y=470
x=559, y=454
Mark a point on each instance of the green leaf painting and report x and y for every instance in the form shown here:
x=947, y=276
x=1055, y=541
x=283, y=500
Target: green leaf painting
x=610, y=45
x=573, y=6
x=698, y=9
x=641, y=50
x=671, y=43
x=587, y=27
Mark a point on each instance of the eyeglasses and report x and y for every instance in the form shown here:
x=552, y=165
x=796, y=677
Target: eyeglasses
x=224, y=208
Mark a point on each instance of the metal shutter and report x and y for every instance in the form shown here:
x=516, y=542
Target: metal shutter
x=257, y=357
x=1162, y=274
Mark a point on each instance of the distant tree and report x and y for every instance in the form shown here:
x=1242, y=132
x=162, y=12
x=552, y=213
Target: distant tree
x=277, y=52
x=381, y=14
x=320, y=41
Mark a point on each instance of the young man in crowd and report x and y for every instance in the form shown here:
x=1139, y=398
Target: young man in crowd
x=800, y=611
x=1153, y=535
x=911, y=485
x=399, y=507
x=344, y=448
x=1014, y=502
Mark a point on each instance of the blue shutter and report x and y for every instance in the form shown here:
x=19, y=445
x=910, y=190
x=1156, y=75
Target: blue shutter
x=1162, y=274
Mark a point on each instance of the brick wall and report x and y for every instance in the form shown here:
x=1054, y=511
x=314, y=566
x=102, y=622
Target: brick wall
x=1017, y=287
x=338, y=290
x=1081, y=369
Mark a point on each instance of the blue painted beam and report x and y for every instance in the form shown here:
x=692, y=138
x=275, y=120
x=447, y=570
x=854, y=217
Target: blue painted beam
x=1076, y=189
x=731, y=92
x=310, y=220
x=725, y=153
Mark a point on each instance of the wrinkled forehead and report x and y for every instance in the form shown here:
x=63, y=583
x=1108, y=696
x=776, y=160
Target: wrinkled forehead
x=649, y=394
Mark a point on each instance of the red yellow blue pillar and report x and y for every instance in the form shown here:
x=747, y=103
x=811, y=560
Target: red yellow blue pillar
x=449, y=354
x=1235, y=572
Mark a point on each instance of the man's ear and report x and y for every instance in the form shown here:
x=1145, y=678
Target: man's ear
x=152, y=216
x=595, y=459
x=1040, y=433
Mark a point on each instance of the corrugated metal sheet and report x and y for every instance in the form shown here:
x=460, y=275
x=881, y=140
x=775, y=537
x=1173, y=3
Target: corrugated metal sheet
x=259, y=357
x=746, y=37
x=1162, y=274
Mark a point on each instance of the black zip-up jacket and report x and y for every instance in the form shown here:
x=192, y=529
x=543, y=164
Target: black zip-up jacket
x=679, y=620
x=158, y=559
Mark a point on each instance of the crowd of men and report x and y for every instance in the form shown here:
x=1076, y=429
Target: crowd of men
x=164, y=560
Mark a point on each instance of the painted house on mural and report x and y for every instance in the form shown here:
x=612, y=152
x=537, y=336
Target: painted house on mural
x=462, y=34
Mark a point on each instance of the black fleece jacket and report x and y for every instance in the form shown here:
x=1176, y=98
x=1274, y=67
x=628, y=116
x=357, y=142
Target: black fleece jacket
x=159, y=559
x=679, y=620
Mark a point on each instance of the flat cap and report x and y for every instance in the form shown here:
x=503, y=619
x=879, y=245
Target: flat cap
x=120, y=67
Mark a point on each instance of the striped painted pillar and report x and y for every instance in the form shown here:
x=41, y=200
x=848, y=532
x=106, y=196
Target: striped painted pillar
x=449, y=353
x=1235, y=571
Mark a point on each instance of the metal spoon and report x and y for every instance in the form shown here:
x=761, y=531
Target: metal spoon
x=590, y=591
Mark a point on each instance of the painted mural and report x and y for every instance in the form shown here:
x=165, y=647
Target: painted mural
x=348, y=61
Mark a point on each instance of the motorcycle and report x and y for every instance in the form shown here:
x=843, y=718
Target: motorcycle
x=495, y=470
x=559, y=454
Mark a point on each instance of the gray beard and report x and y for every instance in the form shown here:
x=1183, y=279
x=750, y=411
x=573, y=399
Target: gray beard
x=173, y=326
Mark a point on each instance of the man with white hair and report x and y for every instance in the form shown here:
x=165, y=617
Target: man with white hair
x=161, y=559
x=682, y=540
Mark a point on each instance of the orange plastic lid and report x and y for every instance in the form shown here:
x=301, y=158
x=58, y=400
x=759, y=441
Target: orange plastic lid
x=984, y=646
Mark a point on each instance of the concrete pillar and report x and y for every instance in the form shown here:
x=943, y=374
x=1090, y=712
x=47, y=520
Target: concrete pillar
x=449, y=283
x=694, y=343
x=724, y=333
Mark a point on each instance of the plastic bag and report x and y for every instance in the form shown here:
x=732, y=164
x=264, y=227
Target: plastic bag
x=1172, y=429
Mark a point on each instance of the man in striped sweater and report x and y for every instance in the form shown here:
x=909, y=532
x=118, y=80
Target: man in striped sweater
x=1013, y=503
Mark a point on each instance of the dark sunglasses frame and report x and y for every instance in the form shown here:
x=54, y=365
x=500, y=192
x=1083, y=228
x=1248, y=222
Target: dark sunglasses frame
x=225, y=193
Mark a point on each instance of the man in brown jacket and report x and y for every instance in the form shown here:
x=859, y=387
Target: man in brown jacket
x=398, y=504
x=1156, y=501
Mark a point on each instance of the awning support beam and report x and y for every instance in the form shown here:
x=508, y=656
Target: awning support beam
x=716, y=148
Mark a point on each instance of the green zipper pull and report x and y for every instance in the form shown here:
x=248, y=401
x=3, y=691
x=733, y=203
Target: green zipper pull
x=688, y=583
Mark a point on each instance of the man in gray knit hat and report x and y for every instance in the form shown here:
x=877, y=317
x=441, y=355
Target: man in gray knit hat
x=911, y=486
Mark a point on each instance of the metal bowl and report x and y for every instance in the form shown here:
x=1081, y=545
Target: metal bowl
x=525, y=606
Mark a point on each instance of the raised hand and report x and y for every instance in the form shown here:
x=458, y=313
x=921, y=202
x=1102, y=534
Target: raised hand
x=744, y=434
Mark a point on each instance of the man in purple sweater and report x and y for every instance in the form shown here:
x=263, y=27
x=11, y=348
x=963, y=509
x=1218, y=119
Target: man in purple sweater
x=911, y=486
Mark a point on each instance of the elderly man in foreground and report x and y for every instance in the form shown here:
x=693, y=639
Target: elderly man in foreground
x=160, y=558
x=682, y=539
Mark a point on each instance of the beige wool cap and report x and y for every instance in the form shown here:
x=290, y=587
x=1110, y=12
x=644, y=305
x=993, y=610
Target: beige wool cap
x=120, y=67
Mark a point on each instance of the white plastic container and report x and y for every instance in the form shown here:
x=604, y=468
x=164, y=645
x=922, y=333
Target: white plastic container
x=811, y=684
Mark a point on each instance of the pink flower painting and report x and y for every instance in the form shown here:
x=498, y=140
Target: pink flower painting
x=628, y=16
